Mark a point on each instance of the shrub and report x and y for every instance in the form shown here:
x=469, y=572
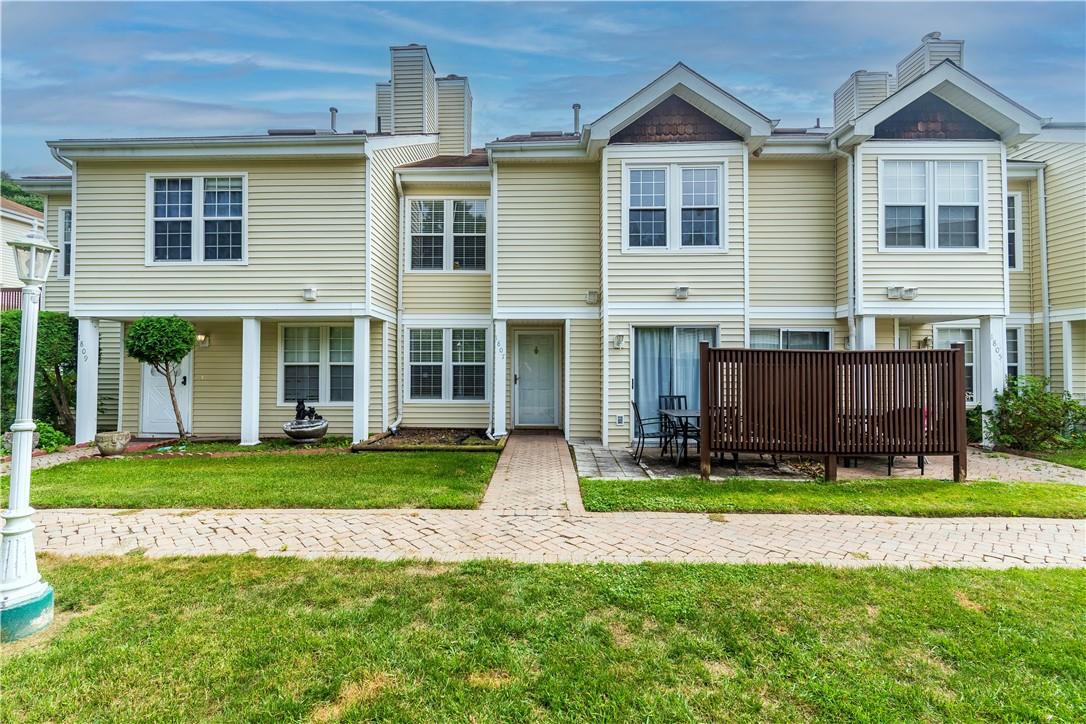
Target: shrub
x=1030, y=416
x=163, y=343
x=974, y=424
x=55, y=364
x=50, y=438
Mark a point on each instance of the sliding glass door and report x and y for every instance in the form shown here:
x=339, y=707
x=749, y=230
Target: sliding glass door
x=666, y=363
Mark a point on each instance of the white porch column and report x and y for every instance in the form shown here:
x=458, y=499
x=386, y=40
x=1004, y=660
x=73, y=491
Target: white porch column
x=990, y=363
x=500, y=356
x=361, y=357
x=1068, y=358
x=250, y=381
x=865, y=332
x=86, y=386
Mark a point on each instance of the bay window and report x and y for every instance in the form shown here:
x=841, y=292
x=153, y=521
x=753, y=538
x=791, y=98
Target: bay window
x=448, y=235
x=196, y=218
x=316, y=364
x=674, y=206
x=931, y=204
x=447, y=364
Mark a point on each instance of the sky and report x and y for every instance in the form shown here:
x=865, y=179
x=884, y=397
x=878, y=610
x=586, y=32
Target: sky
x=91, y=70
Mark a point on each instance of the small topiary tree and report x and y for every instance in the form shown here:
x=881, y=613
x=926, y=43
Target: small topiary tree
x=163, y=343
x=56, y=363
x=1030, y=416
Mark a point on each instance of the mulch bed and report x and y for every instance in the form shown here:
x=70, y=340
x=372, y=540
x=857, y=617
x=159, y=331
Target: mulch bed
x=435, y=437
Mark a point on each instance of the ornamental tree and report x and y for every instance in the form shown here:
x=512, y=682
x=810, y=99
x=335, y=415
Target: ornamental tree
x=163, y=343
x=55, y=364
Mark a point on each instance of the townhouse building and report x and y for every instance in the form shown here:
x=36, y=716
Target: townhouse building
x=400, y=277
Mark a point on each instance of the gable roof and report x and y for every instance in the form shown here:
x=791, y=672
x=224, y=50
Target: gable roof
x=709, y=98
x=961, y=89
x=14, y=207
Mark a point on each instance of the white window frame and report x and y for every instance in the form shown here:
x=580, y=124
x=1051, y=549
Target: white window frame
x=448, y=235
x=970, y=394
x=64, y=271
x=446, y=365
x=782, y=330
x=1020, y=332
x=197, y=218
x=1016, y=197
x=324, y=365
x=931, y=206
x=673, y=188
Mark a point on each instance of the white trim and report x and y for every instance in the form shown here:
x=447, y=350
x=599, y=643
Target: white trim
x=384, y=374
x=555, y=313
x=444, y=175
x=446, y=363
x=1023, y=358
x=746, y=250
x=250, y=381
x=448, y=233
x=360, y=361
x=86, y=390
x=197, y=239
x=782, y=329
x=499, y=383
x=1003, y=218
x=553, y=333
x=323, y=385
x=323, y=145
x=303, y=310
x=947, y=310
x=673, y=204
x=492, y=208
x=1019, y=262
x=120, y=383
x=1060, y=135
x=793, y=313
x=567, y=336
x=383, y=143
x=60, y=242
x=1067, y=345
x=75, y=227
x=367, y=231
x=383, y=313
x=604, y=321
x=857, y=236
x=931, y=205
x=23, y=218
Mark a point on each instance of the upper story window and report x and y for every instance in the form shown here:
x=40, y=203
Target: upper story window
x=64, y=225
x=447, y=364
x=317, y=364
x=931, y=204
x=197, y=218
x=674, y=206
x=1014, y=239
x=448, y=235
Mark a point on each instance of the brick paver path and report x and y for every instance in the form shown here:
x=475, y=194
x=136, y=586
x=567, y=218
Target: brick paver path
x=539, y=537
x=534, y=473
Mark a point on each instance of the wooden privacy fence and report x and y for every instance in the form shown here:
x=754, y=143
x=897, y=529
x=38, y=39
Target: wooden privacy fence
x=833, y=404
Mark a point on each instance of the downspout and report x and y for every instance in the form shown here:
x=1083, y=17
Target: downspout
x=399, y=313
x=1042, y=223
x=851, y=233
x=492, y=207
x=56, y=154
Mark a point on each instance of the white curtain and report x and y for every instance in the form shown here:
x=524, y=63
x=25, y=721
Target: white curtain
x=652, y=370
x=687, y=380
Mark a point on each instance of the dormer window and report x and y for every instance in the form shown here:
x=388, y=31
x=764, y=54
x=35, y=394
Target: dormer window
x=674, y=206
x=931, y=204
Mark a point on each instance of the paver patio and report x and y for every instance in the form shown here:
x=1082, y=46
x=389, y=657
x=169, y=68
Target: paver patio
x=532, y=513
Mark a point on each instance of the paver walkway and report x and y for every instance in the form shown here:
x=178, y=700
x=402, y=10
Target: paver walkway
x=534, y=473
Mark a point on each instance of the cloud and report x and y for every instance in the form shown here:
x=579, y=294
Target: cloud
x=17, y=74
x=261, y=60
x=506, y=38
x=311, y=93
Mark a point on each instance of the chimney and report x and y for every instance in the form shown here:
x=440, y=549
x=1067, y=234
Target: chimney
x=414, y=90
x=384, y=107
x=862, y=91
x=454, y=115
x=333, y=111
x=933, y=50
x=576, y=117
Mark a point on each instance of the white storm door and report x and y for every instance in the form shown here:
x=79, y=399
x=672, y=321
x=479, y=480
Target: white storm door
x=156, y=410
x=536, y=381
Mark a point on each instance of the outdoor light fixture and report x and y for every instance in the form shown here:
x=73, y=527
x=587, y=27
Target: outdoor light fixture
x=309, y=294
x=203, y=339
x=620, y=341
x=682, y=292
x=26, y=601
x=592, y=297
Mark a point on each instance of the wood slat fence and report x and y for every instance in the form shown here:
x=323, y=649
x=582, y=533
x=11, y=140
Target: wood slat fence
x=11, y=298
x=833, y=404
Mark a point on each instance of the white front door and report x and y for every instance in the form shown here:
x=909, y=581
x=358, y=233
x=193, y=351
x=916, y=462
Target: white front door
x=536, y=379
x=156, y=410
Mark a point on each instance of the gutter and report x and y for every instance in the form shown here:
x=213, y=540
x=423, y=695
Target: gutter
x=851, y=232
x=1046, y=311
x=60, y=158
x=399, y=312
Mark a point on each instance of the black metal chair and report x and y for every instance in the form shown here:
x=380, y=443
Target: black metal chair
x=643, y=434
x=667, y=425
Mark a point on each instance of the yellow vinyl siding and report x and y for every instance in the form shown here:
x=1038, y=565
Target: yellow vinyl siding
x=376, y=370
x=585, y=379
x=384, y=246
x=1021, y=279
x=454, y=104
x=55, y=292
x=548, y=229
x=407, y=89
x=393, y=391
x=384, y=108
x=110, y=349
x=960, y=278
x=305, y=229
x=792, y=234
x=446, y=414
x=446, y=292
x=841, y=231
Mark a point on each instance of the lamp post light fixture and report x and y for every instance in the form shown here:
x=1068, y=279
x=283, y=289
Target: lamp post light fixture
x=26, y=601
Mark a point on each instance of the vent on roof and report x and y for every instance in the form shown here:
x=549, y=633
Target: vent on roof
x=545, y=133
x=292, y=131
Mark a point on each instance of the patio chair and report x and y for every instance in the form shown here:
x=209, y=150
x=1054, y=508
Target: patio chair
x=643, y=434
x=669, y=402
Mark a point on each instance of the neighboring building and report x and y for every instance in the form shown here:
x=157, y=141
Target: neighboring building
x=552, y=278
x=15, y=221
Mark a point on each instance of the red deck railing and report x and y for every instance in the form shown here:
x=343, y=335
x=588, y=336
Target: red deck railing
x=833, y=404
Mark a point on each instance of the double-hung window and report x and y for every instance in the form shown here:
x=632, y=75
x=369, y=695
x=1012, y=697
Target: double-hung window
x=196, y=218
x=775, y=338
x=931, y=204
x=1014, y=234
x=1014, y=351
x=448, y=235
x=317, y=364
x=674, y=206
x=945, y=337
x=447, y=364
x=64, y=225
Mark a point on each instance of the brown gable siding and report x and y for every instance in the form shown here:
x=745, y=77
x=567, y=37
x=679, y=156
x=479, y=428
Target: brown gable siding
x=673, y=120
x=929, y=116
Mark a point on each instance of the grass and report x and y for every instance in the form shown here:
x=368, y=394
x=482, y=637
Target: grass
x=241, y=638
x=1074, y=458
x=862, y=497
x=275, y=444
x=317, y=480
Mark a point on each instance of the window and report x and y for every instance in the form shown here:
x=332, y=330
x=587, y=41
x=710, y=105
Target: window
x=946, y=336
x=666, y=362
x=64, y=267
x=437, y=245
x=1014, y=241
x=196, y=218
x=675, y=207
x=1014, y=351
x=931, y=204
x=447, y=364
x=790, y=339
x=317, y=364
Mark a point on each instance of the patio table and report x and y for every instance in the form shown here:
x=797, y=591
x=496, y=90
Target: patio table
x=682, y=417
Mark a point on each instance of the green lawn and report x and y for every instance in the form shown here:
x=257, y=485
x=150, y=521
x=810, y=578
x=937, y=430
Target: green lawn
x=216, y=639
x=1074, y=458
x=269, y=445
x=862, y=497
x=316, y=480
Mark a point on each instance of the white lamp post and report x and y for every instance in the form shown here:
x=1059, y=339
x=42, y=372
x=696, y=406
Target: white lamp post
x=26, y=601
